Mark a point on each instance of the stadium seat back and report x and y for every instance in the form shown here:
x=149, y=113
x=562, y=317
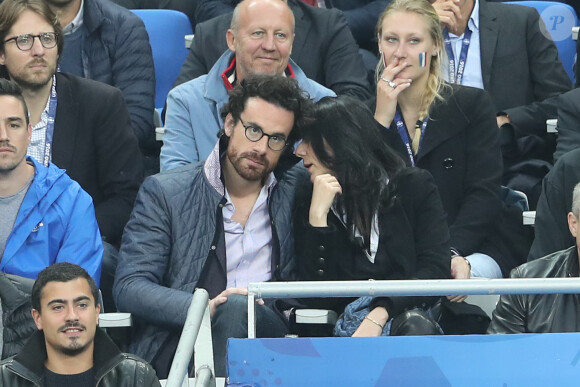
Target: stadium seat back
x=559, y=18
x=167, y=30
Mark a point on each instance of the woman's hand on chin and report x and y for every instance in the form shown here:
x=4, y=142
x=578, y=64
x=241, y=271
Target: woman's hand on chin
x=388, y=89
x=326, y=187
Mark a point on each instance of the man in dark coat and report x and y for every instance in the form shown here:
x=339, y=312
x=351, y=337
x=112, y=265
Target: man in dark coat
x=518, y=71
x=511, y=56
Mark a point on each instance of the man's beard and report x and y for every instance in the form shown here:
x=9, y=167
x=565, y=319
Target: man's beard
x=74, y=348
x=30, y=82
x=6, y=169
x=249, y=173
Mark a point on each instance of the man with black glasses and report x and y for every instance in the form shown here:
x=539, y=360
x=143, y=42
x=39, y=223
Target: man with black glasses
x=217, y=225
x=79, y=125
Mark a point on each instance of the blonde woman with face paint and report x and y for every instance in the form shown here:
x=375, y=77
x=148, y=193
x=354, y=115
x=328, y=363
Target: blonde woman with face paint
x=449, y=130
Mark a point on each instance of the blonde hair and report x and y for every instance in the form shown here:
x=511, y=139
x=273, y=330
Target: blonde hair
x=435, y=81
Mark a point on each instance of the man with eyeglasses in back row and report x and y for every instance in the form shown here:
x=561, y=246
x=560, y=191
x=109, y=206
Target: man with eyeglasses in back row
x=217, y=225
x=80, y=125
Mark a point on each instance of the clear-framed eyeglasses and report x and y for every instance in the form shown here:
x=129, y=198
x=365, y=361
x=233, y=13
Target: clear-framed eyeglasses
x=276, y=142
x=25, y=42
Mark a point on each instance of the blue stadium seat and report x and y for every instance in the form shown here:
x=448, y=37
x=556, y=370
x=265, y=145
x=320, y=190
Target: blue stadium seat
x=167, y=30
x=559, y=18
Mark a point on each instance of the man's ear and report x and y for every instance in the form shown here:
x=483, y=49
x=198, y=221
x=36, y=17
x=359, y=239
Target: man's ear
x=292, y=45
x=37, y=319
x=229, y=125
x=231, y=40
x=2, y=58
x=572, y=224
x=98, y=308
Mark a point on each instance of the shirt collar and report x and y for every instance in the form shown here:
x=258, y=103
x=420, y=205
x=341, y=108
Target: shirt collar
x=44, y=115
x=473, y=22
x=229, y=74
x=213, y=171
x=76, y=23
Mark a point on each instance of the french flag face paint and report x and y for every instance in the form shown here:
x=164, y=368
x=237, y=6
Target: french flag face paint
x=422, y=59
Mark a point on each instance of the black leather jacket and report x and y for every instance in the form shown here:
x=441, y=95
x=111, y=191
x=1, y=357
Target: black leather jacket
x=112, y=368
x=540, y=313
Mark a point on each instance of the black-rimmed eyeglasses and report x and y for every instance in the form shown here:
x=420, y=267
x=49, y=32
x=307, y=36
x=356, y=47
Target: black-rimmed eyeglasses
x=25, y=42
x=276, y=142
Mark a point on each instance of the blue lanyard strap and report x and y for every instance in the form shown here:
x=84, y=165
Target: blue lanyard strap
x=50, y=124
x=453, y=76
x=402, y=128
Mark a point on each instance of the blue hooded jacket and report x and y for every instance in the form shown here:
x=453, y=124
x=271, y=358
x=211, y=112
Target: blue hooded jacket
x=56, y=223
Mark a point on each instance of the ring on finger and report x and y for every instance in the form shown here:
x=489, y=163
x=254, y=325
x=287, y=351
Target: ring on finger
x=391, y=83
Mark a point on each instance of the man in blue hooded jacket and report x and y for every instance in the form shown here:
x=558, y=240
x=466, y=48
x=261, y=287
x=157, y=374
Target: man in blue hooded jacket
x=46, y=216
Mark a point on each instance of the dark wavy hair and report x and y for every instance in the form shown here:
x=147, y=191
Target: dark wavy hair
x=278, y=90
x=61, y=272
x=346, y=138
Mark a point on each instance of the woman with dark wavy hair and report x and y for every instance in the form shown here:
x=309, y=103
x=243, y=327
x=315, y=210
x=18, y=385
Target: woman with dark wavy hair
x=366, y=216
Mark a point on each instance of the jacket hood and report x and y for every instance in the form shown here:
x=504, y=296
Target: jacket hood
x=48, y=184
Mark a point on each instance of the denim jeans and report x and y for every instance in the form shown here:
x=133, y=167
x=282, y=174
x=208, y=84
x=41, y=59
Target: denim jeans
x=108, y=268
x=231, y=320
x=483, y=266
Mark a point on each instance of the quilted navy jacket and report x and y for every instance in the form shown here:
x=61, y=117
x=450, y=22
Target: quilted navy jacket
x=174, y=230
x=117, y=52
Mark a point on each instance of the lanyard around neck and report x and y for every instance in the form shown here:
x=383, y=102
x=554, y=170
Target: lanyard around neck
x=402, y=128
x=50, y=123
x=457, y=77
